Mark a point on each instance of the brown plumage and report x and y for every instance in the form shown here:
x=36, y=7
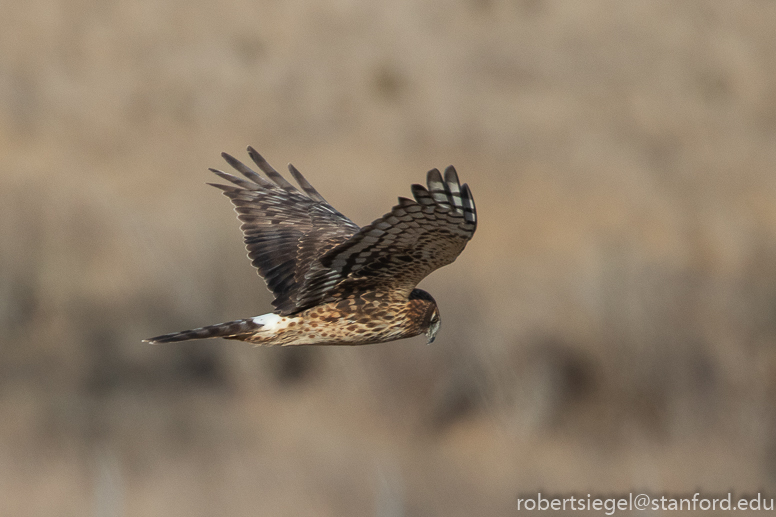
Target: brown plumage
x=335, y=283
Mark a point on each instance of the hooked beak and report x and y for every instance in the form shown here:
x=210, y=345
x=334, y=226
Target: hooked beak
x=432, y=332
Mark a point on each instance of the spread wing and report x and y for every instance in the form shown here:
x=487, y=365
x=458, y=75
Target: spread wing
x=285, y=230
x=402, y=247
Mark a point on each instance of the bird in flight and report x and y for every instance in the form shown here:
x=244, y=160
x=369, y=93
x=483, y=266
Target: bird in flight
x=335, y=283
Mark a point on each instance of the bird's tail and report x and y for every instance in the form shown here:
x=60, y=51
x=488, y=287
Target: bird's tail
x=229, y=330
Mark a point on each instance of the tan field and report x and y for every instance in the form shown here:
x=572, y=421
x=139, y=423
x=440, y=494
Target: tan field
x=611, y=328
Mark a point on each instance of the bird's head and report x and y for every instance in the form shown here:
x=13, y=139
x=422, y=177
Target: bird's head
x=430, y=320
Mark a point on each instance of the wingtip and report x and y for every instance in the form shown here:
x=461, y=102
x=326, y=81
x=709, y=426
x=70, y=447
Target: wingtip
x=225, y=188
x=254, y=154
x=439, y=190
x=231, y=160
x=470, y=209
x=259, y=160
x=451, y=175
x=232, y=179
x=467, y=191
x=433, y=176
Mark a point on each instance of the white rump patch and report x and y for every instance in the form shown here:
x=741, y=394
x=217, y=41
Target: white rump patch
x=273, y=321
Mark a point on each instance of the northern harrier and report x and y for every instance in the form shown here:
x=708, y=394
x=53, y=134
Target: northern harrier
x=335, y=283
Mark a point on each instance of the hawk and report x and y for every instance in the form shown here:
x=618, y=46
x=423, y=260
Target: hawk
x=335, y=283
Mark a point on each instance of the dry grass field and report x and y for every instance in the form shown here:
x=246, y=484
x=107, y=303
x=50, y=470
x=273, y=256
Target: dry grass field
x=610, y=328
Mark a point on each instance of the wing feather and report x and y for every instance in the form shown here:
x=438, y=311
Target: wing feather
x=402, y=247
x=308, y=189
x=439, y=190
x=244, y=170
x=285, y=230
x=271, y=173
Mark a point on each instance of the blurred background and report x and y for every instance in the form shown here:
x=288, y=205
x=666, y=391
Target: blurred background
x=611, y=327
